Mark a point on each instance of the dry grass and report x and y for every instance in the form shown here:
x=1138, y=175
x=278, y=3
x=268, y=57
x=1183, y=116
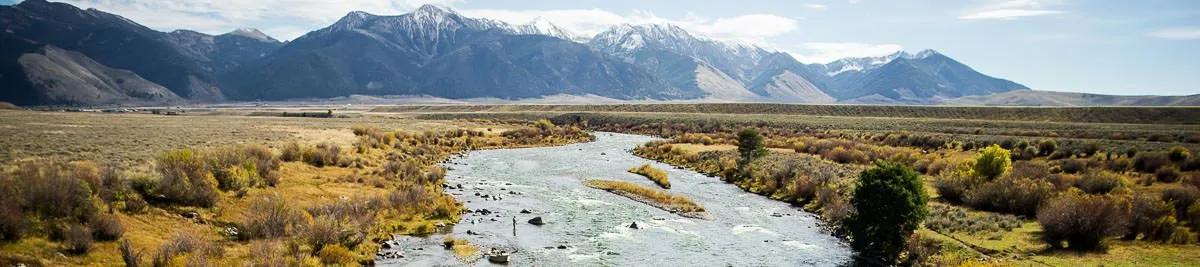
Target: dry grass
x=674, y=203
x=658, y=176
x=130, y=142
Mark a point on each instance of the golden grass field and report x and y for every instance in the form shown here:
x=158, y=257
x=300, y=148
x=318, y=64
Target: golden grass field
x=131, y=141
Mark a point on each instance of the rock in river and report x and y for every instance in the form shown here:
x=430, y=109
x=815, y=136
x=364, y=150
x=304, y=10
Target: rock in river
x=536, y=221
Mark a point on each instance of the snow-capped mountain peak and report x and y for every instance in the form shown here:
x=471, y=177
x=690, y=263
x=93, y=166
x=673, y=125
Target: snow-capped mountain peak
x=543, y=26
x=252, y=33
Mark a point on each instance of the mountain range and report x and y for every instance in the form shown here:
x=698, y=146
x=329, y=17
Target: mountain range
x=57, y=54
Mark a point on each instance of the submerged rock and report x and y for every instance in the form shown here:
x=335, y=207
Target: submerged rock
x=525, y=211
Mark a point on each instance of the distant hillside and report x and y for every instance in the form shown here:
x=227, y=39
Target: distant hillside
x=1067, y=99
x=436, y=52
x=1151, y=115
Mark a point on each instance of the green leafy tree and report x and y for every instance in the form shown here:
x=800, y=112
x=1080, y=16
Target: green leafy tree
x=750, y=145
x=992, y=162
x=890, y=203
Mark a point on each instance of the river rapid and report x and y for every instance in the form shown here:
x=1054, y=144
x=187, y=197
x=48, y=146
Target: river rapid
x=591, y=227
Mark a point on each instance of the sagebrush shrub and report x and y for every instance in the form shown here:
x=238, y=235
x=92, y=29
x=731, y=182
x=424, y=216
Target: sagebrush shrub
x=1047, y=147
x=953, y=187
x=992, y=162
x=1151, y=218
x=291, y=151
x=1100, y=182
x=12, y=221
x=843, y=155
x=1073, y=166
x=1167, y=174
x=185, y=179
x=1082, y=221
x=107, y=227
x=55, y=189
x=1120, y=164
x=1010, y=195
x=130, y=255
x=269, y=216
x=1150, y=161
x=324, y=154
x=337, y=255
x=1181, y=197
x=78, y=239
x=1178, y=153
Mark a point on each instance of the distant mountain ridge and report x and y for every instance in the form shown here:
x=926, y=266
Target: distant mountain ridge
x=57, y=54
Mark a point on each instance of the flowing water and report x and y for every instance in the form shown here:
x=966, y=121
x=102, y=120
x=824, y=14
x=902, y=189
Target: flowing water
x=591, y=227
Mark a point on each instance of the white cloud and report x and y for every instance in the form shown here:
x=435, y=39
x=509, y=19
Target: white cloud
x=816, y=6
x=1011, y=10
x=819, y=52
x=278, y=18
x=1184, y=33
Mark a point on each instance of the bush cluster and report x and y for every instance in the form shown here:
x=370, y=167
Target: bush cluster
x=1082, y=221
x=62, y=199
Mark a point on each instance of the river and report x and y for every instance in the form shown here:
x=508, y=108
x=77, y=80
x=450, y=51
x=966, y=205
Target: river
x=590, y=227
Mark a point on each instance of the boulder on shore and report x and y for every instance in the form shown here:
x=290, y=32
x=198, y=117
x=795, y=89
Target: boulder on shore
x=537, y=221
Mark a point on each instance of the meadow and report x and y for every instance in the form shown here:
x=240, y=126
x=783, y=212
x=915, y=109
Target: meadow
x=239, y=185
x=225, y=187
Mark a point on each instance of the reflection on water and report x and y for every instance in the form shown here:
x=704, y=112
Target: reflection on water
x=506, y=188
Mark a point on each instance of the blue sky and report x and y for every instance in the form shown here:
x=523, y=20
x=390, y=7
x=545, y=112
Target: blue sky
x=1102, y=46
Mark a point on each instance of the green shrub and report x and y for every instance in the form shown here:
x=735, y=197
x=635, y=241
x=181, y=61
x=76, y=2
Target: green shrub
x=130, y=255
x=843, y=155
x=1082, y=220
x=1178, y=153
x=337, y=255
x=1150, y=161
x=890, y=202
x=750, y=146
x=1120, y=164
x=54, y=189
x=1151, y=218
x=1167, y=174
x=1100, y=182
x=953, y=186
x=269, y=216
x=1193, y=216
x=1010, y=195
x=992, y=162
x=1192, y=164
x=1182, y=236
x=1181, y=197
x=78, y=239
x=107, y=227
x=1073, y=166
x=12, y=221
x=291, y=151
x=185, y=179
x=1047, y=147
x=324, y=154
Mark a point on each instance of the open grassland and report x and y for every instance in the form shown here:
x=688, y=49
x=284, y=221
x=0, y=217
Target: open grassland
x=673, y=203
x=225, y=190
x=1137, y=115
